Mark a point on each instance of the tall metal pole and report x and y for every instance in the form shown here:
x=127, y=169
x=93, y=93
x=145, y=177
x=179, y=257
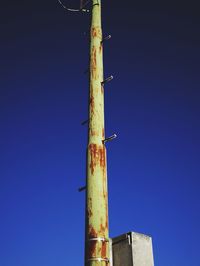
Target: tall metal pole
x=97, y=245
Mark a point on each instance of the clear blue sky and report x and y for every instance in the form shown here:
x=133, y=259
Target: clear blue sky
x=153, y=104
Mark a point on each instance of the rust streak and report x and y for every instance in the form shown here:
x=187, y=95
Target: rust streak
x=102, y=229
x=92, y=248
x=103, y=133
x=102, y=157
x=92, y=232
x=97, y=155
x=93, y=132
x=89, y=208
x=96, y=32
x=92, y=103
x=94, y=63
x=93, y=155
x=104, y=250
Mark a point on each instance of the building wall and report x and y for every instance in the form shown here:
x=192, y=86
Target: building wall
x=132, y=249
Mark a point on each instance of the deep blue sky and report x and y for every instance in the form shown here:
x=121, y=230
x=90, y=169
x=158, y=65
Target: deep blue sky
x=153, y=104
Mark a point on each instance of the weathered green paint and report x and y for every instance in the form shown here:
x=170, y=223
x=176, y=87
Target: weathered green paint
x=97, y=246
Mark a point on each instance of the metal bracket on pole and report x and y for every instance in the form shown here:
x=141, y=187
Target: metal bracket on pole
x=99, y=259
x=99, y=239
x=106, y=38
x=109, y=138
x=107, y=80
x=81, y=189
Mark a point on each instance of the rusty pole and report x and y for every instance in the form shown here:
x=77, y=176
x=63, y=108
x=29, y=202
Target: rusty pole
x=97, y=242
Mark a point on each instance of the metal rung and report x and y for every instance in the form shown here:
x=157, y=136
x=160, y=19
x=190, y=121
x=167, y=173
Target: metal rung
x=106, y=38
x=110, y=138
x=107, y=80
x=82, y=188
x=84, y=122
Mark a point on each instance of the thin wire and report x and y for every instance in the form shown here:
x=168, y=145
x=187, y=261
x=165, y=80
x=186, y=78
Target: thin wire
x=74, y=10
x=86, y=3
x=69, y=9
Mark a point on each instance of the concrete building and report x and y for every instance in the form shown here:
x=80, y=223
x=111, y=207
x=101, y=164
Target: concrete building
x=132, y=249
